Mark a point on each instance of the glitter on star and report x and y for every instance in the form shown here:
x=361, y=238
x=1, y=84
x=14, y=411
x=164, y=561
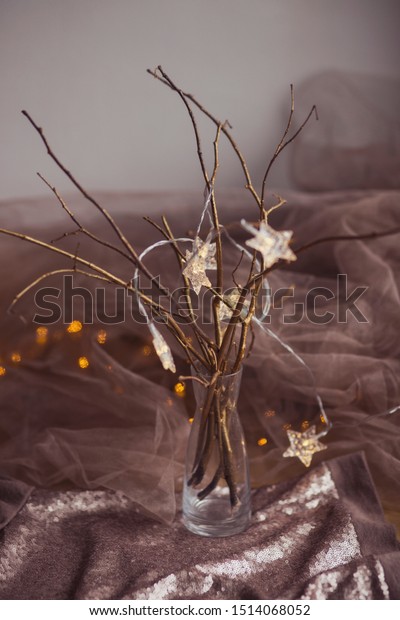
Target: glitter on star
x=304, y=445
x=272, y=244
x=201, y=259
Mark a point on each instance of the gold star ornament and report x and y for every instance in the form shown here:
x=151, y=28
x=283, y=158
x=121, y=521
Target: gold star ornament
x=304, y=445
x=272, y=244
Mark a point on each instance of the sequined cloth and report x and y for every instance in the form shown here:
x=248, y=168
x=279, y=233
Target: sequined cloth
x=320, y=536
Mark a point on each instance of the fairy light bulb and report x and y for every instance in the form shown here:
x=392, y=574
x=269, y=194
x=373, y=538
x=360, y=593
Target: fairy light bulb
x=180, y=389
x=75, y=327
x=101, y=336
x=41, y=335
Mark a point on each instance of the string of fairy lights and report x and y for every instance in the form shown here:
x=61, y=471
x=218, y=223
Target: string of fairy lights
x=303, y=444
x=43, y=336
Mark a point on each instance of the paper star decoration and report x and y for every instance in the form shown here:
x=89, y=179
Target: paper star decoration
x=272, y=244
x=304, y=445
x=201, y=258
x=162, y=349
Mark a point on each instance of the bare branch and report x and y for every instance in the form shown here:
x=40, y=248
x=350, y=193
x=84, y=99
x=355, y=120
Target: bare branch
x=225, y=130
x=216, y=157
x=204, y=341
x=192, y=118
x=236, y=268
x=81, y=228
x=112, y=278
x=191, y=378
x=307, y=246
x=44, y=276
x=283, y=142
x=79, y=187
x=280, y=203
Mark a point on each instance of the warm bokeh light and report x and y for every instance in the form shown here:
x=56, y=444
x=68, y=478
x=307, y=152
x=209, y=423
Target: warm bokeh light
x=286, y=427
x=169, y=402
x=262, y=441
x=305, y=424
x=180, y=389
x=16, y=358
x=2, y=371
x=41, y=335
x=322, y=419
x=74, y=327
x=269, y=413
x=83, y=362
x=191, y=420
x=146, y=350
x=101, y=336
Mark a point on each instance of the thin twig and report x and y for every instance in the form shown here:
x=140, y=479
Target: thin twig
x=280, y=203
x=112, y=278
x=48, y=275
x=236, y=268
x=218, y=243
x=216, y=156
x=224, y=128
x=201, y=337
x=333, y=238
x=283, y=142
x=193, y=120
x=79, y=187
x=81, y=228
x=192, y=378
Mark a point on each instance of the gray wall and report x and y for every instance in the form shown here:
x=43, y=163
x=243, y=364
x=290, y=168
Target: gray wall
x=79, y=67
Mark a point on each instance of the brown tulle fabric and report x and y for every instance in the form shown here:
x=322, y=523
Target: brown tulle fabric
x=118, y=424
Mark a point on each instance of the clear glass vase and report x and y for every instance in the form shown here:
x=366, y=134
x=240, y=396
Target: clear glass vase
x=216, y=493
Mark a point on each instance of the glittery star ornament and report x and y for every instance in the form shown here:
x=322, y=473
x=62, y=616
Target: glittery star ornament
x=162, y=349
x=225, y=310
x=201, y=258
x=304, y=445
x=273, y=244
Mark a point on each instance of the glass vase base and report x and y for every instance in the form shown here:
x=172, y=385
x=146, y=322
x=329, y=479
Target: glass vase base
x=210, y=517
